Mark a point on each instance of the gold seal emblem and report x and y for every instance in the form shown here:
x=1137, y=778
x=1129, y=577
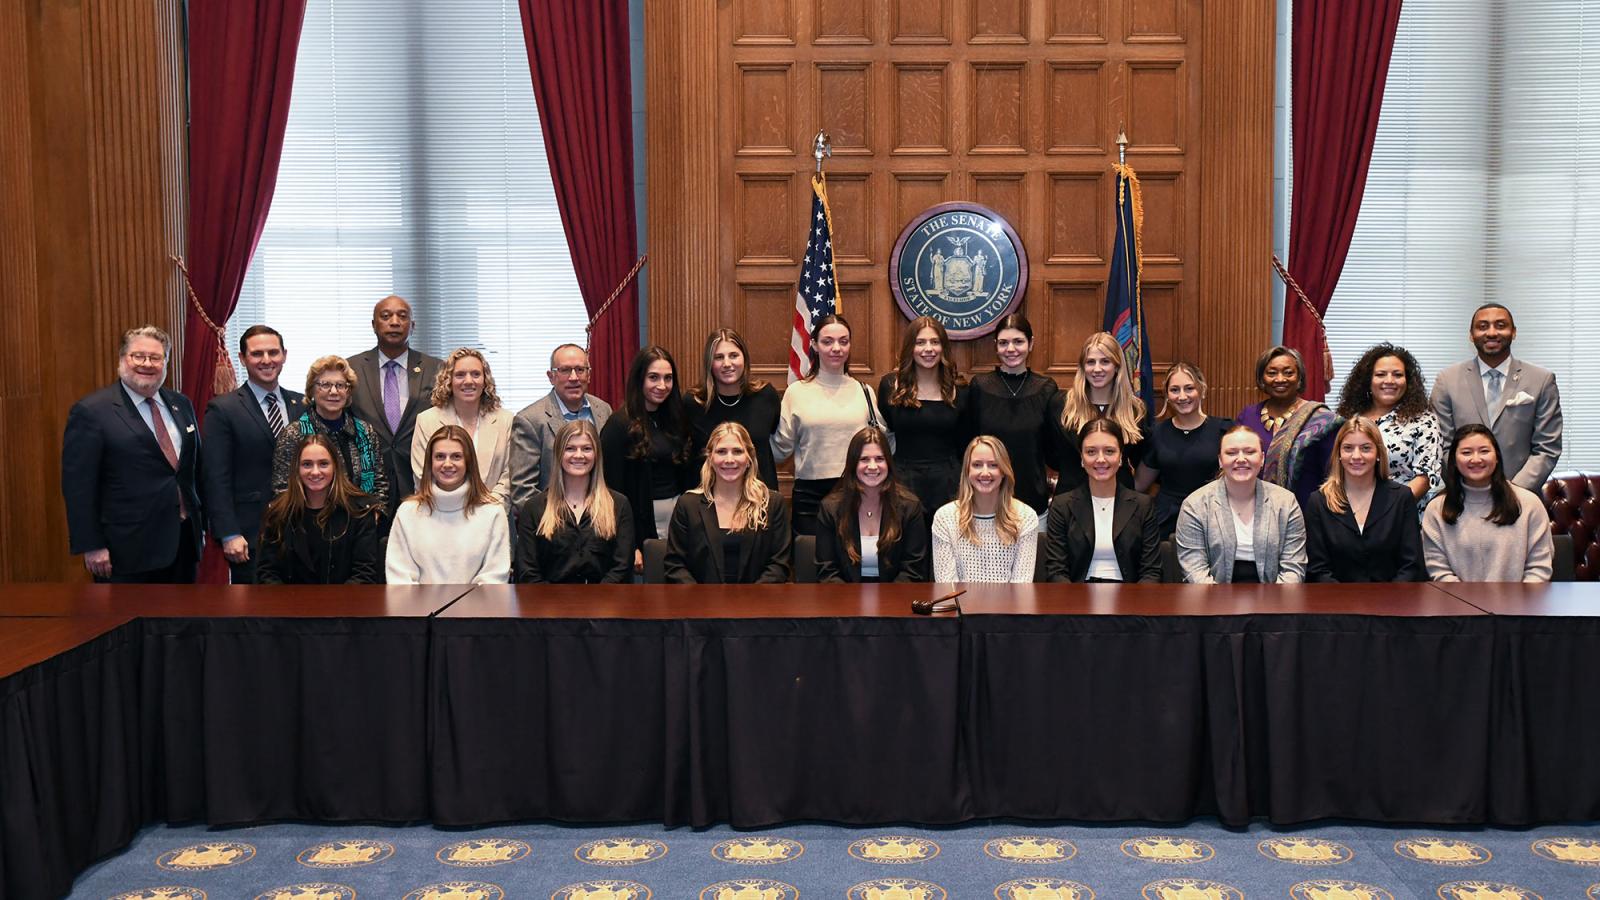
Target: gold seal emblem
x=309, y=892
x=458, y=890
x=1190, y=889
x=1338, y=890
x=1163, y=849
x=750, y=889
x=1593, y=893
x=1443, y=851
x=1306, y=851
x=1043, y=889
x=1028, y=848
x=896, y=889
x=758, y=851
x=1484, y=890
x=480, y=852
x=163, y=893
x=345, y=854
x=603, y=890
x=620, y=851
x=894, y=849
x=205, y=857
x=1574, y=850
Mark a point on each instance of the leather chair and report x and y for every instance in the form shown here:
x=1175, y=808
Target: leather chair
x=805, y=559
x=1039, y=576
x=1573, y=501
x=655, y=561
x=1171, y=572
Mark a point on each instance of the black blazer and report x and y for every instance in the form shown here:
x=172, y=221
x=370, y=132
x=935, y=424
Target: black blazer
x=694, y=545
x=632, y=477
x=238, y=470
x=352, y=558
x=906, y=560
x=576, y=555
x=1135, y=535
x=120, y=492
x=1389, y=549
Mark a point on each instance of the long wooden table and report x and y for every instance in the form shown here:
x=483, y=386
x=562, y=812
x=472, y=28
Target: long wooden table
x=758, y=704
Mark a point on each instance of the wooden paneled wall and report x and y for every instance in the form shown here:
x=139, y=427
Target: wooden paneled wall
x=92, y=112
x=1015, y=104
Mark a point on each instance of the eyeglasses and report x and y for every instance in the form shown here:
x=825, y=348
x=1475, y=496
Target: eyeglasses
x=147, y=359
x=333, y=386
x=572, y=371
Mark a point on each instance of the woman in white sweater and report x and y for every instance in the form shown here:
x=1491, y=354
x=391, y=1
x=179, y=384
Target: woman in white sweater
x=451, y=531
x=1483, y=527
x=985, y=534
x=818, y=417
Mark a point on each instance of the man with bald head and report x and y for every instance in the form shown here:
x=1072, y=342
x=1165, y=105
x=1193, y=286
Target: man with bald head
x=533, y=431
x=393, y=384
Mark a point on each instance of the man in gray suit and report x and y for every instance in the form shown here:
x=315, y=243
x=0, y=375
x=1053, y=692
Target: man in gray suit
x=1517, y=400
x=533, y=431
x=393, y=384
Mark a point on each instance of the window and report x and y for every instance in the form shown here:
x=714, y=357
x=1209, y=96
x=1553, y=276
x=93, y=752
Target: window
x=1485, y=187
x=413, y=164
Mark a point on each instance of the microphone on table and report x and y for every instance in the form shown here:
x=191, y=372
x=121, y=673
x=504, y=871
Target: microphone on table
x=944, y=603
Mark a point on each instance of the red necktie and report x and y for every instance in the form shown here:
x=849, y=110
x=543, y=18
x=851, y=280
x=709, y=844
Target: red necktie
x=167, y=450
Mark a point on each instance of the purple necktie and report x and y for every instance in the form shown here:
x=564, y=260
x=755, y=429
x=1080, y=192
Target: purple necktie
x=391, y=395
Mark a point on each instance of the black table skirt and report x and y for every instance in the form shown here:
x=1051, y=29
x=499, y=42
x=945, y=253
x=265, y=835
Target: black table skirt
x=753, y=722
x=70, y=786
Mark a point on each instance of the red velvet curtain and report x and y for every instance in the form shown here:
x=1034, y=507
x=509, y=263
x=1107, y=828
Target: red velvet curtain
x=1341, y=54
x=241, y=69
x=578, y=54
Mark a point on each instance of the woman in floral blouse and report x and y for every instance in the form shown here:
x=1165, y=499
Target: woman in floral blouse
x=1386, y=386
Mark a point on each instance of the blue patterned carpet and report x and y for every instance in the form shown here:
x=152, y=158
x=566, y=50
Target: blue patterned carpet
x=1008, y=861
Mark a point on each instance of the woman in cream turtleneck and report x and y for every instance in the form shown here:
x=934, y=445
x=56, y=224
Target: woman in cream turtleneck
x=819, y=416
x=1483, y=527
x=451, y=531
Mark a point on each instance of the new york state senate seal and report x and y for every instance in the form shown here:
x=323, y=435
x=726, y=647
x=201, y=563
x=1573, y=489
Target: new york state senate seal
x=959, y=263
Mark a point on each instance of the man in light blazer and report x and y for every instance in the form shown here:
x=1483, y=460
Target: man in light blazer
x=533, y=431
x=1518, y=401
x=393, y=384
x=130, y=465
x=241, y=431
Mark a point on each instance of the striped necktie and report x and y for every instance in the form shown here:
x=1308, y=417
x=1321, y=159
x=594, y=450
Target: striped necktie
x=274, y=415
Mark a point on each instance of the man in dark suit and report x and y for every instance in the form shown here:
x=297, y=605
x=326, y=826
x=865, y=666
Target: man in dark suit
x=393, y=384
x=241, y=430
x=130, y=460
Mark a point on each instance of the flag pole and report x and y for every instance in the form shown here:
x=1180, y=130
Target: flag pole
x=821, y=147
x=1122, y=147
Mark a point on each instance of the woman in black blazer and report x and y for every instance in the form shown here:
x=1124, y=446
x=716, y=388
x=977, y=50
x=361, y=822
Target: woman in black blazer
x=1362, y=525
x=578, y=531
x=1100, y=530
x=732, y=529
x=871, y=528
x=320, y=530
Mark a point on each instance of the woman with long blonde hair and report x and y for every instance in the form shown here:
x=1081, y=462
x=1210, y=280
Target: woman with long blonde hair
x=1102, y=388
x=464, y=395
x=986, y=533
x=732, y=529
x=1362, y=525
x=577, y=531
x=451, y=531
x=924, y=403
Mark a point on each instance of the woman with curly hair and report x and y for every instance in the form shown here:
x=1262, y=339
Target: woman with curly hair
x=330, y=392
x=1386, y=386
x=464, y=395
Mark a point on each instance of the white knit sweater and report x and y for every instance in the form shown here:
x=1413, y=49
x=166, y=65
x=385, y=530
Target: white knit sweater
x=955, y=559
x=448, y=546
x=816, y=422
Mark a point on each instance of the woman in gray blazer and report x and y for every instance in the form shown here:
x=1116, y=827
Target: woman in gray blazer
x=1239, y=528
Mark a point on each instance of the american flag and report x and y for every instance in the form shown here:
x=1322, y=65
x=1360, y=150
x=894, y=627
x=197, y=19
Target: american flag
x=817, y=293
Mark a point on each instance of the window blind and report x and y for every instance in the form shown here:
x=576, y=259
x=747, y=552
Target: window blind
x=413, y=164
x=1485, y=187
